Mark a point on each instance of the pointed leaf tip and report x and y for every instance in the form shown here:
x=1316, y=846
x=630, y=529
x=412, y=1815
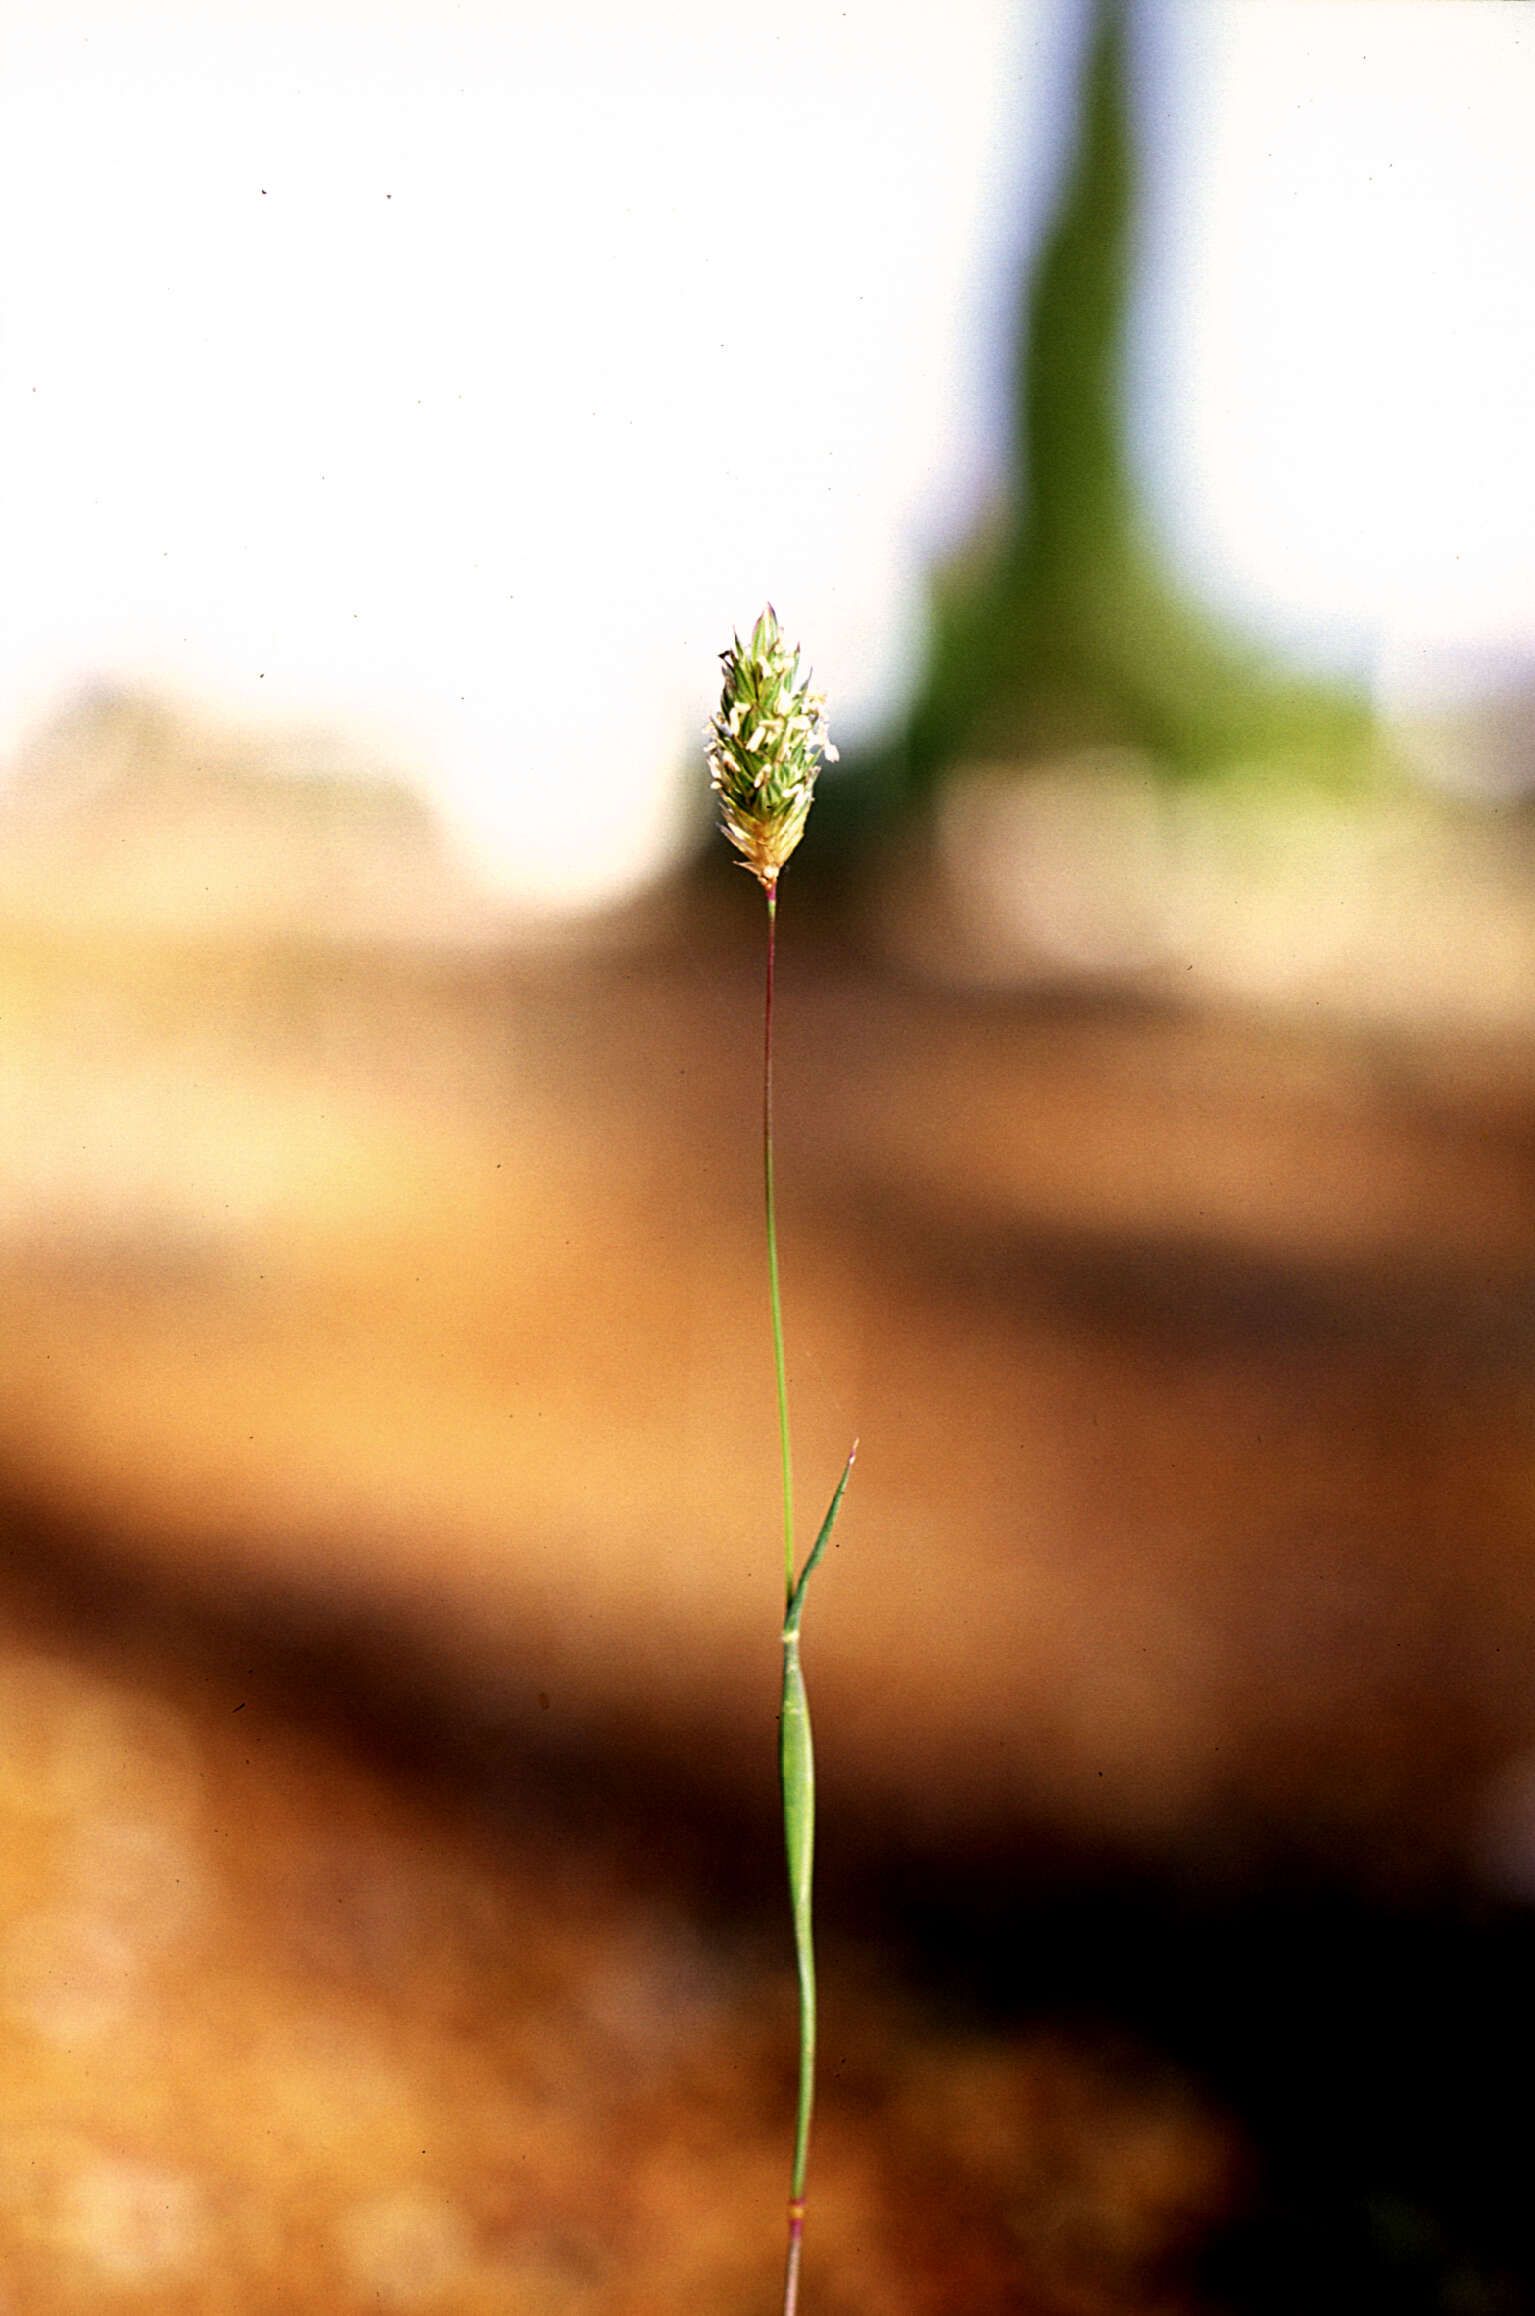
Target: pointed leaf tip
x=796, y=1607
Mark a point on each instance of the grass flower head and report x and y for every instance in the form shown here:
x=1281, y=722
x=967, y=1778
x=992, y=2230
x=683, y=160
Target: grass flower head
x=765, y=747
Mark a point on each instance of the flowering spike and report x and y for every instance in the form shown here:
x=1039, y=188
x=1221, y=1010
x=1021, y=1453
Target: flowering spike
x=765, y=748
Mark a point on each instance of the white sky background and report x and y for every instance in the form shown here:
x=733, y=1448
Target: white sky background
x=457, y=376
x=465, y=373
x=1338, y=381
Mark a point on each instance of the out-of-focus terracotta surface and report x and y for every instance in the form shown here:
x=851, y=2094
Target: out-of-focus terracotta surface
x=280, y=2030
x=1190, y=1360
x=385, y=1343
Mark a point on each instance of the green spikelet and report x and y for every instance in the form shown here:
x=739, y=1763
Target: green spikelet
x=765, y=748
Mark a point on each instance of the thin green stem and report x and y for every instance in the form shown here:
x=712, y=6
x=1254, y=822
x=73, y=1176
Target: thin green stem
x=798, y=1774
x=772, y=1250
x=796, y=1753
x=798, y=1760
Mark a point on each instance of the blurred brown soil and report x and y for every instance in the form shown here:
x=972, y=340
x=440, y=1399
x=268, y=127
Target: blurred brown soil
x=386, y=1338
x=1191, y=1358
x=284, y=2024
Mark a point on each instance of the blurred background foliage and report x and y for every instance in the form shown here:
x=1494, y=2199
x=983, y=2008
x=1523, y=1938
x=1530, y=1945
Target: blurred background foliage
x=1110, y=780
x=1060, y=625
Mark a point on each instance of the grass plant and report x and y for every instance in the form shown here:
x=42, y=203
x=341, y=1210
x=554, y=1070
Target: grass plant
x=765, y=748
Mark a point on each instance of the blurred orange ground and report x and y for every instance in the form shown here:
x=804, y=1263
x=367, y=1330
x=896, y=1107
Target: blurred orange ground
x=386, y=1344
x=1190, y=1359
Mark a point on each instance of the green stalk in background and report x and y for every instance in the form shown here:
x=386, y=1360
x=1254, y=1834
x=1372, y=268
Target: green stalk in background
x=765, y=748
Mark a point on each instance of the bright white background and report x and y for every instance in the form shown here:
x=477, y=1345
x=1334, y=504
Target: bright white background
x=1339, y=410
x=459, y=374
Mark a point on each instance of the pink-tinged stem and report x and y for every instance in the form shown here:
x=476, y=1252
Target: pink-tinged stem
x=772, y=1249
x=791, y=2270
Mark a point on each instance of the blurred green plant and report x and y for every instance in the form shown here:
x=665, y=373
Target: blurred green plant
x=765, y=748
x=1057, y=626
